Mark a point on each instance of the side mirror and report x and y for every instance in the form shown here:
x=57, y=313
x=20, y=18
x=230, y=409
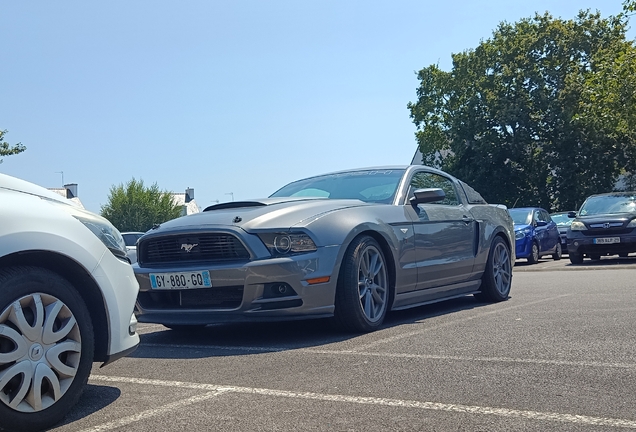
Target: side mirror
x=423, y=196
x=541, y=223
x=572, y=214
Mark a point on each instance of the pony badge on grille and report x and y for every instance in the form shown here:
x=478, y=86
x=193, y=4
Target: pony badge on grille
x=188, y=247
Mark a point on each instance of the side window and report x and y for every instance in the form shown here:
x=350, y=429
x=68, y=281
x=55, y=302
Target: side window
x=426, y=180
x=546, y=216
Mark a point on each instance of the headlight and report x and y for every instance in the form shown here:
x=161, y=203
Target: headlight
x=632, y=224
x=577, y=226
x=521, y=233
x=101, y=227
x=283, y=244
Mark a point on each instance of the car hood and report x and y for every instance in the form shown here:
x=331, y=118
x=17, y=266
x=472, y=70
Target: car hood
x=259, y=214
x=17, y=185
x=519, y=227
x=601, y=218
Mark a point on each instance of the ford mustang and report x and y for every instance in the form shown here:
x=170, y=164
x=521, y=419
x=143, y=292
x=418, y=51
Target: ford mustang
x=351, y=245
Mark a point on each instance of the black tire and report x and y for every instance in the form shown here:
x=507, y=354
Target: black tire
x=41, y=295
x=595, y=257
x=575, y=257
x=362, y=293
x=497, y=278
x=534, y=254
x=185, y=327
x=558, y=253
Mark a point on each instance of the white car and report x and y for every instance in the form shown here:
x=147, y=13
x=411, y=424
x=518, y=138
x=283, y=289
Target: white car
x=130, y=238
x=67, y=295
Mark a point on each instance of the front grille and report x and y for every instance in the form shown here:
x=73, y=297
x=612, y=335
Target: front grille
x=607, y=232
x=229, y=297
x=192, y=248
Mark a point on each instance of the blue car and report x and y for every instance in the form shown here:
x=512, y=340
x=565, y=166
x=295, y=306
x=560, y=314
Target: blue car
x=536, y=234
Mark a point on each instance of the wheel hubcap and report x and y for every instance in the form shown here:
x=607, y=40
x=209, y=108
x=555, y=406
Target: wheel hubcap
x=372, y=284
x=40, y=350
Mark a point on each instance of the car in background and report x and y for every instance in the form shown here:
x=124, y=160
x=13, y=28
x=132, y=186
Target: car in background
x=536, y=234
x=351, y=245
x=604, y=225
x=67, y=297
x=563, y=221
x=130, y=239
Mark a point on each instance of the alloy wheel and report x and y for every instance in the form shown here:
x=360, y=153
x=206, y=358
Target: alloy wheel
x=373, y=284
x=502, y=268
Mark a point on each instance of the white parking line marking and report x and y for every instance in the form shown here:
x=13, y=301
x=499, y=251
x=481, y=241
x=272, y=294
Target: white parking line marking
x=434, y=406
x=400, y=355
x=401, y=336
x=154, y=412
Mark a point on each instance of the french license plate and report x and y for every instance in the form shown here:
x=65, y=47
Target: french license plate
x=182, y=280
x=607, y=240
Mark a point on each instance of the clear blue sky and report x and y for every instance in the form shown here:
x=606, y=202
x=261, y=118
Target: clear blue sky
x=225, y=97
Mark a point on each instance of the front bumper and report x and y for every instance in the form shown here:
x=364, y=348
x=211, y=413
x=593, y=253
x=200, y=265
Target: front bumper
x=244, y=291
x=523, y=247
x=119, y=289
x=580, y=243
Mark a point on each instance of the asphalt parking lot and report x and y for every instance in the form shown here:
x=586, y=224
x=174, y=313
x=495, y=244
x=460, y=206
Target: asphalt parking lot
x=559, y=355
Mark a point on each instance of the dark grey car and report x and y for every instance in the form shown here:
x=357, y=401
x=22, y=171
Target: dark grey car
x=352, y=244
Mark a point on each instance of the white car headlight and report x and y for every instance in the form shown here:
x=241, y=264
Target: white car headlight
x=577, y=226
x=101, y=227
x=632, y=224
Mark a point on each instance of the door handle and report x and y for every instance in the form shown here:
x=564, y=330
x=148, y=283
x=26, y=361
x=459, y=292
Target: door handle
x=467, y=219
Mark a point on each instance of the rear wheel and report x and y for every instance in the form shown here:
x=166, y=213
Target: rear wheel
x=534, y=254
x=497, y=278
x=558, y=253
x=362, y=294
x=575, y=257
x=46, y=348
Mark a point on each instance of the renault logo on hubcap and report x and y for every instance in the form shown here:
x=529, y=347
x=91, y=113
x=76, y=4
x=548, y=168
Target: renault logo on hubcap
x=36, y=352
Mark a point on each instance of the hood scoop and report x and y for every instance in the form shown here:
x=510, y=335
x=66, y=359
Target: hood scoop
x=234, y=204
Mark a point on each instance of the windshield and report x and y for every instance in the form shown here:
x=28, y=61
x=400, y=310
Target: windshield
x=608, y=204
x=377, y=186
x=562, y=219
x=521, y=216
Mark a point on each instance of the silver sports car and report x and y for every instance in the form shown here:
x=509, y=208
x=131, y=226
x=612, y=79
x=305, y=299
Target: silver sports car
x=350, y=245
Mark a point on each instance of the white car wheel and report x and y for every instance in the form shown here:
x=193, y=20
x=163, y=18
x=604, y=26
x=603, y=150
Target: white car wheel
x=46, y=348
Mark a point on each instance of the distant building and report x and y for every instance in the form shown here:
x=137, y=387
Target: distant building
x=186, y=201
x=69, y=191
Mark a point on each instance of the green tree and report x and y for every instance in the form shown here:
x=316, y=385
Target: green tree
x=7, y=149
x=134, y=207
x=517, y=117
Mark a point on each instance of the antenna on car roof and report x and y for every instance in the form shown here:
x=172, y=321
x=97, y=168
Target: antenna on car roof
x=513, y=206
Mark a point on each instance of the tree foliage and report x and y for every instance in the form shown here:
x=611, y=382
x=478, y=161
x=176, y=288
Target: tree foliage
x=134, y=207
x=541, y=113
x=7, y=149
